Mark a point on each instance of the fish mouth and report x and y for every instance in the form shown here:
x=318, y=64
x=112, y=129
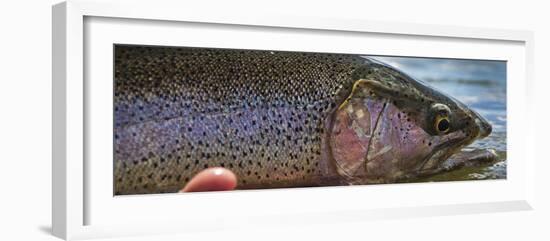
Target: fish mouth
x=441, y=153
x=454, y=144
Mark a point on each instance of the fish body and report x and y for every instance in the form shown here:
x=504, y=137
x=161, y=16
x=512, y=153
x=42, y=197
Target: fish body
x=276, y=119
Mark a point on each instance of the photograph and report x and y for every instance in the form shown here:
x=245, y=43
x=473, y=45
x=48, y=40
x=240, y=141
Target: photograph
x=194, y=119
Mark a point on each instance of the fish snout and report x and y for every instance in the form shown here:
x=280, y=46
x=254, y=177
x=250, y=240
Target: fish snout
x=484, y=127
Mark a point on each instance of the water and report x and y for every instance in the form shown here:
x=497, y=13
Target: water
x=479, y=84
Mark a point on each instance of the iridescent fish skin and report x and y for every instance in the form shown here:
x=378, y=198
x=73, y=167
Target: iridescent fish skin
x=276, y=119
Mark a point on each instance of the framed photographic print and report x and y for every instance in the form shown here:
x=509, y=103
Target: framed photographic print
x=179, y=114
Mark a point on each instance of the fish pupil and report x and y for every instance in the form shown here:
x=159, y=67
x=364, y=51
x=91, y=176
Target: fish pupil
x=443, y=125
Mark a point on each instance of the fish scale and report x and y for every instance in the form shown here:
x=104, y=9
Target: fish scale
x=219, y=107
x=276, y=119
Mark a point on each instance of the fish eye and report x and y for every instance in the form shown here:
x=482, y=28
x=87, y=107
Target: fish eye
x=442, y=124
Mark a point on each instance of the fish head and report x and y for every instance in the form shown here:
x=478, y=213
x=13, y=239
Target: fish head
x=392, y=126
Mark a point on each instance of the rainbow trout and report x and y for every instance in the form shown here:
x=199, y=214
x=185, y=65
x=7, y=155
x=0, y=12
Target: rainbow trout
x=276, y=119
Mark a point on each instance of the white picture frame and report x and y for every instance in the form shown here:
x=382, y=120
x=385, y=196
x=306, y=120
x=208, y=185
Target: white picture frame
x=83, y=208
